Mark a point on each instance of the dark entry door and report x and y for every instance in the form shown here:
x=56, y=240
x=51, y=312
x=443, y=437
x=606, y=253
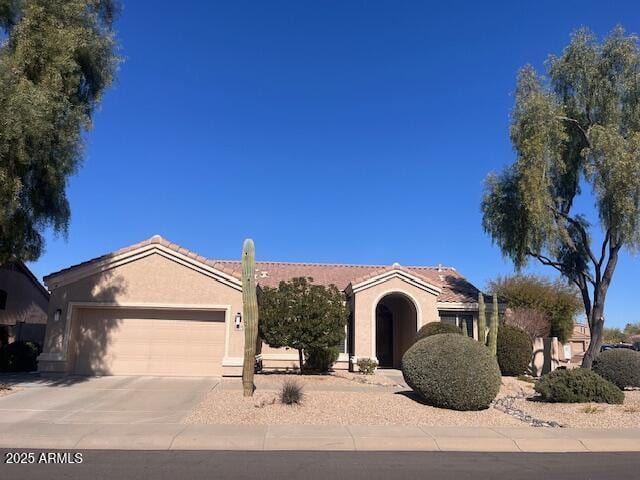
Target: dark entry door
x=384, y=336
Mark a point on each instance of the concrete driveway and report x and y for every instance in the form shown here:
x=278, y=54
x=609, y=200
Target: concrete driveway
x=103, y=400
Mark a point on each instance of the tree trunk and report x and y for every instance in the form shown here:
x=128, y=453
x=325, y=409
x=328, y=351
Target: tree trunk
x=596, y=327
x=596, y=314
x=300, y=359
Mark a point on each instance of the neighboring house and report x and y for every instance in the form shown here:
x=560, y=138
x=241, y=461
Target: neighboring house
x=23, y=304
x=156, y=308
x=578, y=342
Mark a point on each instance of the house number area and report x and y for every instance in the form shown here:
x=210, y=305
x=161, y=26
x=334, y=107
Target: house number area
x=43, y=457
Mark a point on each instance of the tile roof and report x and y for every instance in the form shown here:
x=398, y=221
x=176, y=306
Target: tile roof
x=455, y=288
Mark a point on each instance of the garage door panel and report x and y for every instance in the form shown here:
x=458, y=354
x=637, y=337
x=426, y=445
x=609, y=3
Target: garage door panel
x=149, y=342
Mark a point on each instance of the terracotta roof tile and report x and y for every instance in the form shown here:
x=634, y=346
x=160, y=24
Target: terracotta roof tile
x=455, y=288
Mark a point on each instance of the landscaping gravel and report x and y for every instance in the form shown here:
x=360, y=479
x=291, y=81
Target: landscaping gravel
x=6, y=389
x=337, y=408
x=343, y=399
x=370, y=405
x=587, y=415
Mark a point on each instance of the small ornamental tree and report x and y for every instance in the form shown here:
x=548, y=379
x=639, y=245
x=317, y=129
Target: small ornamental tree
x=303, y=316
x=575, y=130
x=555, y=300
x=534, y=322
x=613, y=335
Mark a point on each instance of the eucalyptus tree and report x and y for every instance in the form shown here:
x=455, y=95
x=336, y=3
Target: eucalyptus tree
x=57, y=58
x=576, y=132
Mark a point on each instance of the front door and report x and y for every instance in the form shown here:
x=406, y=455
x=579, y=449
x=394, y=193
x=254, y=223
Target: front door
x=384, y=336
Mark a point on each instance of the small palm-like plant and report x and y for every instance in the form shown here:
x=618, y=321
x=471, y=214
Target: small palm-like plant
x=291, y=393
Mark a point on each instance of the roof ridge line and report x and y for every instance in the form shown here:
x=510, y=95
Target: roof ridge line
x=330, y=264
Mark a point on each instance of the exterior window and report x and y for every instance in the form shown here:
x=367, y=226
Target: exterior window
x=3, y=300
x=468, y=320
x=449, y=319
x=457, y=319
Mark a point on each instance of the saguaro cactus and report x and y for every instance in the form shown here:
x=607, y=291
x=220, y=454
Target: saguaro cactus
x=493, y=331
x=482, y=319
x=250, y=314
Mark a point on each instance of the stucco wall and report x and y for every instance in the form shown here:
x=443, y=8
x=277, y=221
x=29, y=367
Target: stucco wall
x=25, y=301
x=366, y=300
x=151, y=280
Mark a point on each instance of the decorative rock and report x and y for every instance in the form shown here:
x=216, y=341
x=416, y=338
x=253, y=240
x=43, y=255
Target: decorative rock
x=506, y=405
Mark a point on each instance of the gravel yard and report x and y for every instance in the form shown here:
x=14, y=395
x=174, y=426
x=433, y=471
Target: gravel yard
x=352, y=399
x=337, y=408
x=6, y=389
x=335, y=400
x=588, y=415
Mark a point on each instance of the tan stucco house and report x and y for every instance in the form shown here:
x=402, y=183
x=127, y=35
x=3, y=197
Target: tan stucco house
x=23, y=304
x=156, y=308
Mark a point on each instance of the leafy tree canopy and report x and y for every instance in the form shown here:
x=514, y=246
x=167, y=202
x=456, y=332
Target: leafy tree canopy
x=614, y=335
x=56, y=60
x=578, y=127
x=303, y=316
x=558, y=301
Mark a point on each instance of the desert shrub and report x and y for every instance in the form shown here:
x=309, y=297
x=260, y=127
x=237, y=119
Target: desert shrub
x=534, y=322
x=367, y=366
x=291, y=393
x=621, y=366
x=577, y=385
x=436, y=328
x=452, y=371
x=557, y=300
x=19, y=357
x=321, y=359
x=514, y=350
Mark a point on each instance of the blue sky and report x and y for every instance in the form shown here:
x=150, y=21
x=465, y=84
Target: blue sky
x=328, y=131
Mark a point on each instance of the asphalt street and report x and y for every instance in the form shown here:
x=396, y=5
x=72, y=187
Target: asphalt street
x=192, y=465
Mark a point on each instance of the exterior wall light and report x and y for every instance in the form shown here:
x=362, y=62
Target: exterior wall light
x=238, y=321
x=56, y=315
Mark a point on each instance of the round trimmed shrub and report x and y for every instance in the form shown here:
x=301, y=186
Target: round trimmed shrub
x=452, y=371
x=19, y=357
x=621, y=366
x=436, y=328
x=514, y=350
x=577, y=385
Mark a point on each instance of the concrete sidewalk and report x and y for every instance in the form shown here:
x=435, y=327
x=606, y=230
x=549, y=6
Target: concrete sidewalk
x=315, y=437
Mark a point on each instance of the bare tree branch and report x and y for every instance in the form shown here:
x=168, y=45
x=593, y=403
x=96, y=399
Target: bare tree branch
x=583, y=234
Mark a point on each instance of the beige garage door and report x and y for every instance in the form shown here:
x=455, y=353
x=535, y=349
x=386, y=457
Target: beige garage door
x=148, y=342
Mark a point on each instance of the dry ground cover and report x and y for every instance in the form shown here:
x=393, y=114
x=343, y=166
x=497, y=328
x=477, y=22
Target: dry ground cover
x=6, y=389
x=334, y=400
x=347, y=399
x=588, y=415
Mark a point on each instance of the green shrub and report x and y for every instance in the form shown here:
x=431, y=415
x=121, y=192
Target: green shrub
x=577, y=385
x=19, y=357
x=367, y=366
x=621, y=366
x=321, y=360
x=436, y=328
x=514, y=350
x=291, y=393
x=452, y=371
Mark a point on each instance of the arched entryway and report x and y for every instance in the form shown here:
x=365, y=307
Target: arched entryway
x=396, y=326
